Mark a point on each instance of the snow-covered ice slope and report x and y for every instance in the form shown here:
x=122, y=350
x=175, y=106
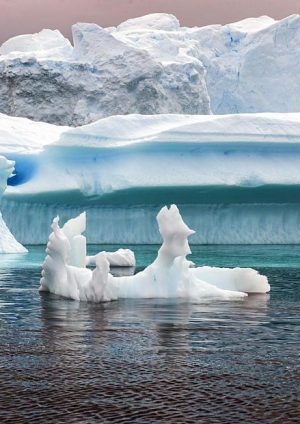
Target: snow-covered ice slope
x=151, y=65
x=235, y=177
x=21, y=136
x=8, y=244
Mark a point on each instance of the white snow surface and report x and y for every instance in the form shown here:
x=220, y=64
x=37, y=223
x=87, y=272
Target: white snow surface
x=152, y=65
x=8, y=244
x=24, y=136
x=153, y=21
x=44, y=44
x=169, y=276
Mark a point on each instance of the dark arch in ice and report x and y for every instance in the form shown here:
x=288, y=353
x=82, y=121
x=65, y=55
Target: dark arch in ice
x=25, y=168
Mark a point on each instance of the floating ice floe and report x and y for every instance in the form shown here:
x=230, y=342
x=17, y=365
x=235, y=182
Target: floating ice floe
x=169, y=276
x=8, y=244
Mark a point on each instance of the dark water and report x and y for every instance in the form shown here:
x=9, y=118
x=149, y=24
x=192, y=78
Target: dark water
x=152, y=361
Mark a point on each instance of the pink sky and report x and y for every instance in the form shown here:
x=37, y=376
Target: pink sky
x=27, y=16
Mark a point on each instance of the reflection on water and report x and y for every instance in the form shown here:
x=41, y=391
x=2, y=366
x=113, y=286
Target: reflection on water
x=147, y=360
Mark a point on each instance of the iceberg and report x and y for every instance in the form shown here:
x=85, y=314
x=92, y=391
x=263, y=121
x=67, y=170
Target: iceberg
x=98, y=77
x=235, y=178
x=152, y=65
x=8, y=244
x=169, y=276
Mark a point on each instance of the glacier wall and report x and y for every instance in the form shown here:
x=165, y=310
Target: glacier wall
x=152, y=65
x=214, y=223
x=236, y=178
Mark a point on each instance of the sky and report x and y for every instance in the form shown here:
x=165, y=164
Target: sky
x=28, y=16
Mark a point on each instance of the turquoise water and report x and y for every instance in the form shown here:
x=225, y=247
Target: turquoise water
x=263, y=256
x=148, y=361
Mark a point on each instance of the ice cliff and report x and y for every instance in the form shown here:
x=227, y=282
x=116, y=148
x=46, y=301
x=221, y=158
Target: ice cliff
x=100, y=76
x=152, y=65
x=236, y=178
x=8, y=244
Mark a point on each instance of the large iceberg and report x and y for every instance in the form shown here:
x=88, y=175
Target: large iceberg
x=100, y=76
x=8, y=244
x=151, y=65
x=169, y=276
x=236, y=178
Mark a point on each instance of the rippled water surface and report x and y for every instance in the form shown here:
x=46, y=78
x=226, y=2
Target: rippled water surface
x=148, y=361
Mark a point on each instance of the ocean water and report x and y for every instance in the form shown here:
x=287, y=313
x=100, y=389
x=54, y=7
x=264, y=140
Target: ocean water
x=152, y=361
